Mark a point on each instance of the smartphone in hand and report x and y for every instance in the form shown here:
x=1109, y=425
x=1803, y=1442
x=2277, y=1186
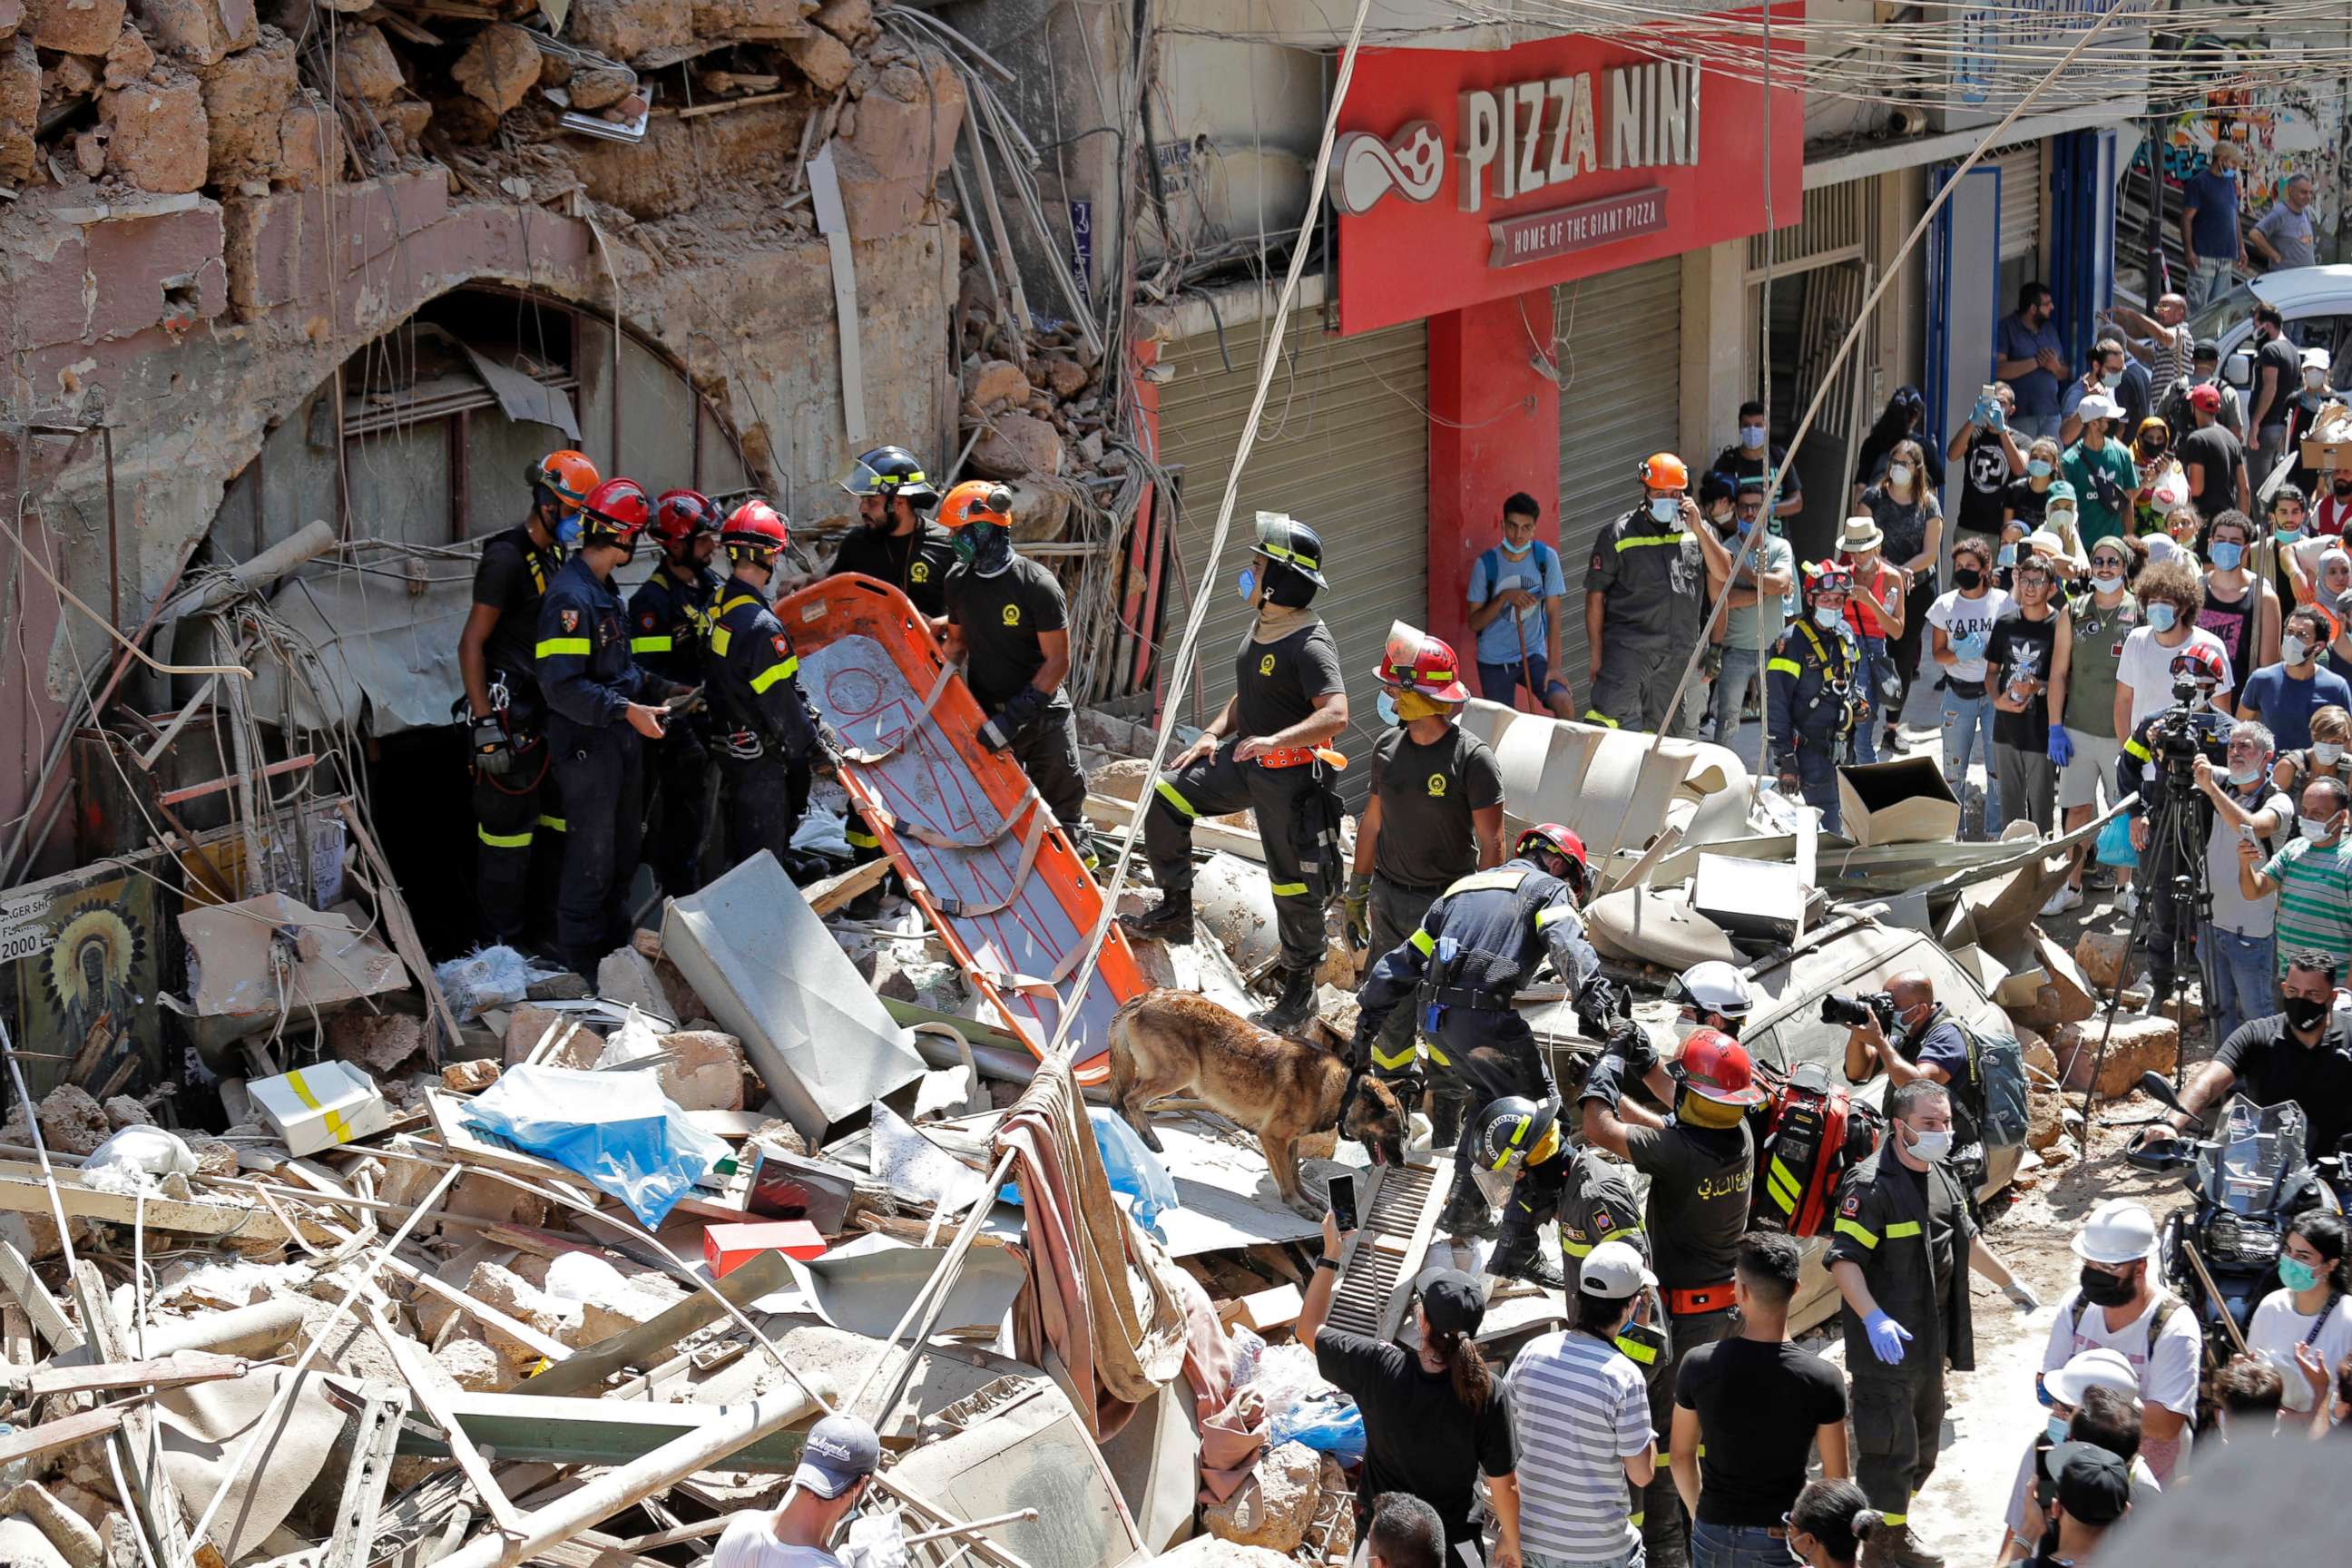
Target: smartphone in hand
x=1343, y=1203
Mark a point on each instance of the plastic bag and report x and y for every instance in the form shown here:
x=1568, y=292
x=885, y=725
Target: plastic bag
x=1326, y=1423
x=2116, y=845
x=616, y=1129
x=1133, y=1169
x=136, y=1158
x=486, y=978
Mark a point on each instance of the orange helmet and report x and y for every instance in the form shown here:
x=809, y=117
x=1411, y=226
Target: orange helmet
x=679, y=515
x=615, y=512
x=1717, y=1068
x=977, y=500
x=755, y=532
x=1665, y=471
x=568, y=475
x=1423, y=663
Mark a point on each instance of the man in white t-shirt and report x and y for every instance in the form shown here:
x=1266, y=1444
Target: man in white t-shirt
x=837, y=1466
x=2119, y=1305
x=1960, y=623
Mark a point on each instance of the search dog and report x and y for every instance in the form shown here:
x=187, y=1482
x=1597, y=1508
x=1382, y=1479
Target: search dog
x=1167, y=1042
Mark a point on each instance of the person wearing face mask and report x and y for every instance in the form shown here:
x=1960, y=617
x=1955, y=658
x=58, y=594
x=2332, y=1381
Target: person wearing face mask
x=599, y=720
x=2207, y=719
x=1815, y=697
x=2028, y=354
x=2239, y=608
x=2031, y=645
x=515, y=814
x=1903, y=419
x=1931, y=1044
x=2026, y=499
x=1961, y=622
x=1911, y=521
x=2212, y=458
x=767, y=737
x=1900, y=1252
x=2324, y=758
x=668, y=619
x=1644, y=590
x=1588, y=1450
x=894, y=543
x=2286, y=695
x=2240, y=932
x=2120, y=1305
x=2163, y=482
x=2083, y=742
x=2311, y=874
x=2100, y=468
x=2305, y=1325
x=2278, y=372
x=2302, y=1052
x=2094, y=1398
x=2313, y=393
x=1831, y=1524
x=2109, y=371
x=1875, y=611
x=829, y=1486
x=1516, y=593
x=1755, y=457
x=1757, y=616
x=1989, y=459
x=2290, y=527
x=1289, y=692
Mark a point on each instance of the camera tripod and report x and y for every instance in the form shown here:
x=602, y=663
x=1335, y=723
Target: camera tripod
x=2176, y=841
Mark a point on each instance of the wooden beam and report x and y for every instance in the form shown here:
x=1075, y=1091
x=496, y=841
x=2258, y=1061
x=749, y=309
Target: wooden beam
x=163, y=1372
x=64, y=1432
x=22, y=1191
x=48, y=1317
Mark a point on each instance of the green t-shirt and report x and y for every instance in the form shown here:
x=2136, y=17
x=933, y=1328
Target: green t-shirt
x=2315, y=898
x=2099, y=637
x=2098, y=520
x=1774, y=555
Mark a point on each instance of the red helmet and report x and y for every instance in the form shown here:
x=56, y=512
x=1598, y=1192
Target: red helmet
x=756, y=531
x=1827, y=577
x=568, y=475
x=2199, y=662
x=1551, y=837
x=1421, y=663
x=1717, y=1068
x=680, y=515
x=614, y=512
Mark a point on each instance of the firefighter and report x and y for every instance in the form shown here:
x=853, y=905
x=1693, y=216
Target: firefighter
x=768, y=738
x=1700, y=1160
x=598, y=725
x=668, y=619
x=1010, y=624
x=1900, y=1253
x=513, y=795
x=1476, y=946
x=1644, y=591
x=1434, y=817
x=1289, y=696
x=894, y=541
x=1814, y=698
x=1596, y=1205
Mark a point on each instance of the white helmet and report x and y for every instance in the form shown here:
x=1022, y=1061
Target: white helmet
x=1714, y=987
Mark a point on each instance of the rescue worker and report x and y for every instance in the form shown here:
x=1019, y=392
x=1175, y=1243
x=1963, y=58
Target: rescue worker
x=1435, y=816
x=1476, y=946
x=894, y=541
x=1645, y=598
x=768, y=738
x=1597, y=1206
x=1899, y=1253
x=599, y=723
x=513, y=795
x=669, y=616
x=1700, y=1160
x=1010, y=624
x=1289, y=696
x=1815, y=700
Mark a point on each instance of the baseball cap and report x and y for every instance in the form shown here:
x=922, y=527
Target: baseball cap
x=1612, y=1270
x=841, y=1451
x=2118, y=1231
x=2204, y=395
x=1451, y=1301
x=2100, y=1368
x=2099, y=406
x=2093, y=1485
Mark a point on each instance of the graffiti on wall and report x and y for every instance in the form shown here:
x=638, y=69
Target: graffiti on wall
x=2283, y=128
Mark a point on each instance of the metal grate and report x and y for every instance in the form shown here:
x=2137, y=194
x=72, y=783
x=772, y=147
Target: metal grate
x=1377, y=1272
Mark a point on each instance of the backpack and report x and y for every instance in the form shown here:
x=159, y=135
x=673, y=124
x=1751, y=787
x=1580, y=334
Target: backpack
x=1812, y=1134
x=1999, y=1064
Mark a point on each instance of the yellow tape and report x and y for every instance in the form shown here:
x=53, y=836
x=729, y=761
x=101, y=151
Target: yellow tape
x=336, y=1125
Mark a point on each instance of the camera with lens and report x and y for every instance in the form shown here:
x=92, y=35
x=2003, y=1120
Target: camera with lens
x=1852, y=1010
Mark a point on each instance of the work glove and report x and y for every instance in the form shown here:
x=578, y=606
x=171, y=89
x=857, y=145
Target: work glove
x=1005, y=725
x=493, y=752
x=2061, y=745
x=1597, y=1004
x=1359, y=905
x=2022, y=1294
x=1888, y=1337
x=1360, y=1052
x=1630, y=1043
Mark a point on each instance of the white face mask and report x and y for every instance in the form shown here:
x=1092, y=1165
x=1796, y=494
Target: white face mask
x=2107, y=581
x=2327, y=753
x=2317, y=829
x=1931, y=1147
x=2111, y=379
x=2293, y=648
x=1899, y=474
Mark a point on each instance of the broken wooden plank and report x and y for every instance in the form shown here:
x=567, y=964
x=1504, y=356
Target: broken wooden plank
x=49, y=1318
x=376, y=1430
x=22, y=1192
x=1111, y=814
x=591, y=1365
x=63, y=1432
x=159, y=1371
x=153, y=1498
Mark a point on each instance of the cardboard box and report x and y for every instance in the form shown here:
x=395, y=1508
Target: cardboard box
x=319, y=1106
x=1905, y=802
x=726, y=1247
x=1749, y=898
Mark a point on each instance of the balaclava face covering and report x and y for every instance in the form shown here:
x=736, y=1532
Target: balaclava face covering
x=985, y=547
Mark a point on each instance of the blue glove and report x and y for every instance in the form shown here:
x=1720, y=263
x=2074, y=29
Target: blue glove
x=1888, y=1337
x=2061, y=745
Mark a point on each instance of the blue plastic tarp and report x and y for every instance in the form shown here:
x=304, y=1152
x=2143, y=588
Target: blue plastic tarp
x=616, y=1129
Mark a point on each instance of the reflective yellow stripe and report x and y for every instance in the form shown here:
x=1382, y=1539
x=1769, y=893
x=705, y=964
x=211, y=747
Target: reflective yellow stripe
x=504, y=840
x=1289, y=889
x=1422, y=942
x=1848, y=1227
x=1894, y=1517
x=1502, y=877
x=1594, y=716
x=649, y=645
x=861, y=840
x=562, y=645
x=335, y=1124
x=1634, y=1520
x=1782, y=667
x=736, y=602
x=772, y=674
x=2134, y=750
x=1636, y=541
x=557, y=823
x=1556, y=911
x=1634, y=1350
x=1392, y=1062
x=1433, y=1054
x=1902, y=1227
x=1577, y=1249
x=1168, y=792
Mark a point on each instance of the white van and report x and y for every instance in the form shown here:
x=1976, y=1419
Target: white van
x=2316, y=302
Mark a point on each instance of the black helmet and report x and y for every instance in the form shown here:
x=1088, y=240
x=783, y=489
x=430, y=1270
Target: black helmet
x=1513, y=1125
x=888, y=471
x=1291, y=546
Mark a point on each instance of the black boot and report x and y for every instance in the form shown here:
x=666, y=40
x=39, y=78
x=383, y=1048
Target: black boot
x=1519, y=1255
x=1467, y=1217
x=1294, y=1006
x=1170, y=919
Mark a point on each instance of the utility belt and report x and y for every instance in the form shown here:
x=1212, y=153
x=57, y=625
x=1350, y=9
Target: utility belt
x=1469, y=999
x=1698, y=1300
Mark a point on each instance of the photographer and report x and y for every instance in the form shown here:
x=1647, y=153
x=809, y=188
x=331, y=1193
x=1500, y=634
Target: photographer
x=1929, y=1043
x=2302, y=1052
x=2157, y=762
x=2244, y=805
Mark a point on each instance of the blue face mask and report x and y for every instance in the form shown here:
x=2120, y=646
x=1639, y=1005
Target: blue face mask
x=1751, y=437
x=2008, y=556
x=567, y=530
x=2297, y=1274
x=1247, y=584
x=2161, y=615
x=2056, y=1427
x=1387, y=708
x=1742, y=525
x=2037, y=467
x=1664, y=508
x=2227, y=553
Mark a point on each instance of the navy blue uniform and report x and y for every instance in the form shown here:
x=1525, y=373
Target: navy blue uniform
x=514, y=812
x=669, y=618
x=589, y=679
x=767, y=734
x=1810, y=680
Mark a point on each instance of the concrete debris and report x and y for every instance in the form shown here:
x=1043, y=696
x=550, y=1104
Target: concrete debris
x=1274, y=1507
x=73, y=26
x=499, y=67
x=2138, y=1044
x=379, y=1042
x=131, y=57
x=200, y=32
x=825, y=60
x=1014, y=446
x=367, y=68
x=469, y=1078
x=158, y=138
x=72, y=1122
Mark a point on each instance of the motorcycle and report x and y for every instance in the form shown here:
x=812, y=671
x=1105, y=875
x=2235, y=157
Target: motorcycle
x=2250, y=1176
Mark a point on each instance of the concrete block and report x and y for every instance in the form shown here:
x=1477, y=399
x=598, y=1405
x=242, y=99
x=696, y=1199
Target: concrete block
x=848, y=20
x=131, y=58
x=708, y=1071
x=2101, y=956
x=763, y=21
x=201, y=32
x=625, y=978
x=1276, y=1505
x=378, y=1042
x=993, y=384
x=71, y=1121
x=20, y=110
x=275, y=243
x=2139, y=1044
x=499, y=67
x=369, y=68
x=625, y=29
x=12, y=16
x=139, y=272
x=159, y=138
x=1016, y=446
x=822, y=58
x=528, y=1023
x=74, y=26
x=311, y=147
x=600, y=87
x=245, y=97
x=473, y=1365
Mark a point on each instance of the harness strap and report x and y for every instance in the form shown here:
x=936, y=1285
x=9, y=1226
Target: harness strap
x=1040, y=820
x=868, y=757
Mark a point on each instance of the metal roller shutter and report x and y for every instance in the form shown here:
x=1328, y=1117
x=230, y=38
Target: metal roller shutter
x=1620, y=345
x=2021, y=199
x=1343, y=447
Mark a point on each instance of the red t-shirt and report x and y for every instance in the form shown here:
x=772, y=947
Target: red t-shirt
x=1859, y=612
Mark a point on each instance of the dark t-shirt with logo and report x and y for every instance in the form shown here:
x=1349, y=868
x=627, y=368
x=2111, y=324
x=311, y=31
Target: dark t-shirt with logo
x=1984, y=476
x=1275, y=683
x=999, y=617
x=1426, y=795
x=915, y=564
